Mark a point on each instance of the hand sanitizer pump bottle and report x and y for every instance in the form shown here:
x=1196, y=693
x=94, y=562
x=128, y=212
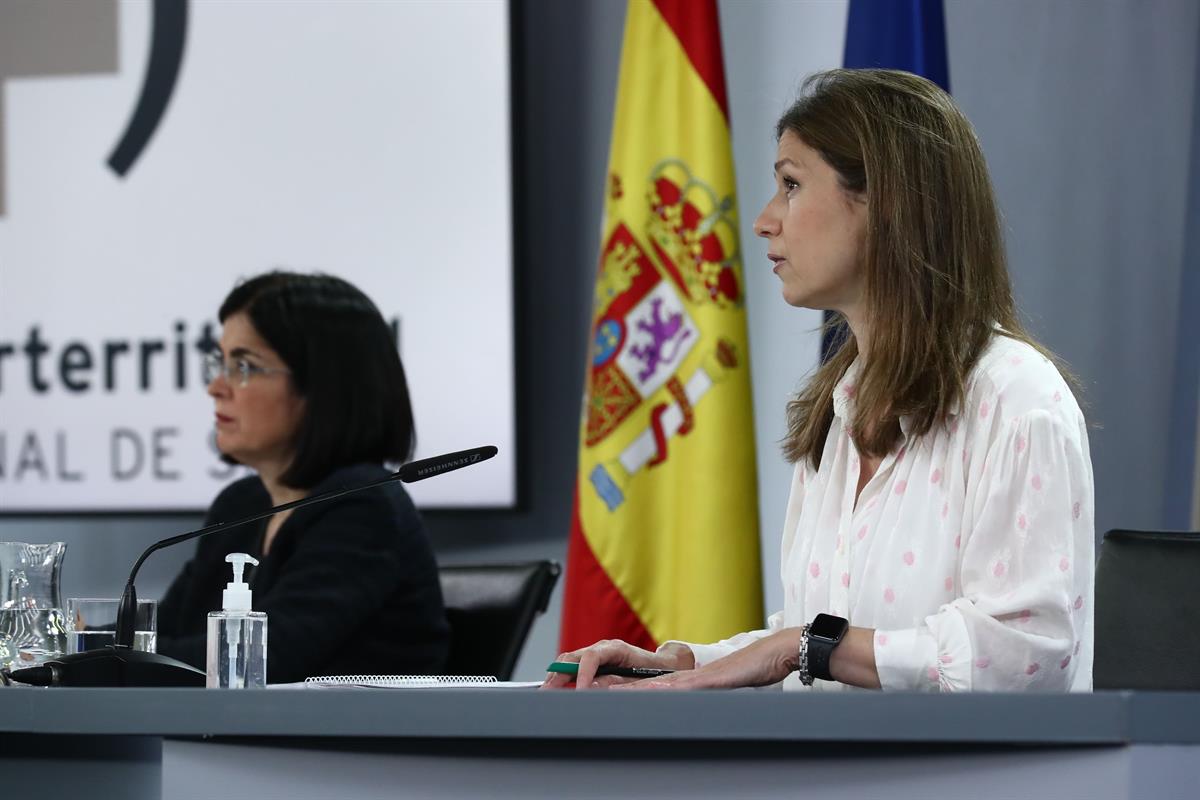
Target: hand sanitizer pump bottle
x=237, y=636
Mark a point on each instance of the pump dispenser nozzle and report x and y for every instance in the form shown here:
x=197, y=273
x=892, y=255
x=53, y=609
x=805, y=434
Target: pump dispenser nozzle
x=236, y=596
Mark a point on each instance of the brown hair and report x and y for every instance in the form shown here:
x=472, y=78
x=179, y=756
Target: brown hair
x=934, y=273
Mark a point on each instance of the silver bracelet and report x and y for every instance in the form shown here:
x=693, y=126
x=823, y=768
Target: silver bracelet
x=802, y=668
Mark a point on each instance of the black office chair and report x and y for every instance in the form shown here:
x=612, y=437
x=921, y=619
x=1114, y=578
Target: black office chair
x=1148, y=611
x=491, y=608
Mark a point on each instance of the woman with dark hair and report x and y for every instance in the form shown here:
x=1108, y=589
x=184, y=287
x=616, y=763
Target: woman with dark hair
x=310, y=393
x=939, y=532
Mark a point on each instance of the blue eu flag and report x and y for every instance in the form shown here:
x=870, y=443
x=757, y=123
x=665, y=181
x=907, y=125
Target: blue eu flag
x=899, y=34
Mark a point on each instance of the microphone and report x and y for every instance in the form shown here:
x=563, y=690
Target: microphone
x=121, y=665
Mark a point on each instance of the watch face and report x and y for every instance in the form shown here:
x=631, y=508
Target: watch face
x=828, y=627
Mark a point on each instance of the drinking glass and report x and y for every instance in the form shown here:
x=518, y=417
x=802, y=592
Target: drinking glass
x=92, y=624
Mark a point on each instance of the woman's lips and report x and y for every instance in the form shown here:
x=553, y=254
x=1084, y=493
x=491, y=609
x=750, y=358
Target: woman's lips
x=223, y=420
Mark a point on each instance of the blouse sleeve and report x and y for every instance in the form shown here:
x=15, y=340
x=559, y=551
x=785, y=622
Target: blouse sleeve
x=1026, y=572
x=708, y=653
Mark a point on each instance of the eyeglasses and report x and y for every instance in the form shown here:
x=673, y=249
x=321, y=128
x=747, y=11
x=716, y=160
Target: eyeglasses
x=236, y=372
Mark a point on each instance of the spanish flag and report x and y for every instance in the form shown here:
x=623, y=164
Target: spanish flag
x=664, y=540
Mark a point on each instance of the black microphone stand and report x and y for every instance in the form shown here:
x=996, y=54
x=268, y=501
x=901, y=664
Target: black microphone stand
x=120, y=665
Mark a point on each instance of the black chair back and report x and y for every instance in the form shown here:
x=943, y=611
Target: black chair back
x=1148, y=611
x=491, y=608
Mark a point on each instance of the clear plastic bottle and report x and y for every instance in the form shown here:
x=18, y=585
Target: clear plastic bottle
x=237, y=636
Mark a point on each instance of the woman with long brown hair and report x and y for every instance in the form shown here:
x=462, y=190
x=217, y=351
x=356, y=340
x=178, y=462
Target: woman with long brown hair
x=939, y=532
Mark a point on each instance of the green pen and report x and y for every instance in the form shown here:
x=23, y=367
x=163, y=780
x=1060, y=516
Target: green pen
x=572, y=668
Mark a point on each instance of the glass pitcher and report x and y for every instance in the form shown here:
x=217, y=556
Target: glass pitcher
x=32, y=624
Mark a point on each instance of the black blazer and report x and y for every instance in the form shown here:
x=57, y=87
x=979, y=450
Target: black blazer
x=350, y=585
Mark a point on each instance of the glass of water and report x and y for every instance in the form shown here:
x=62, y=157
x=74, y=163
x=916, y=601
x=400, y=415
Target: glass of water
x=92, y=624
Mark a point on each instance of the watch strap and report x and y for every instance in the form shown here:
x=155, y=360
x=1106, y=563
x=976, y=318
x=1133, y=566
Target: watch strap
x=819, y=653
x=806, y=677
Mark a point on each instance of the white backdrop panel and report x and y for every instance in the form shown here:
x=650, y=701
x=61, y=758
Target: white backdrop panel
x=365, y=139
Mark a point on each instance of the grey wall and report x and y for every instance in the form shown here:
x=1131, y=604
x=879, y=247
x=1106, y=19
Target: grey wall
x=1085, y=110
x=1183, y=478
x=769, y=46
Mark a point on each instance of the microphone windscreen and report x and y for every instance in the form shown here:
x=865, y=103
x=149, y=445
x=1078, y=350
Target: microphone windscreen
x=428, y=467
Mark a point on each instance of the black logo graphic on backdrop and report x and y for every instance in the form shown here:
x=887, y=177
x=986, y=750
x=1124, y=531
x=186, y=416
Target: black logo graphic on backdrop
x=85, y=38
x=162, y=69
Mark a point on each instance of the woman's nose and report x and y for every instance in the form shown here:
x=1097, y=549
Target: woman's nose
x=766, y=224
x=218, y=386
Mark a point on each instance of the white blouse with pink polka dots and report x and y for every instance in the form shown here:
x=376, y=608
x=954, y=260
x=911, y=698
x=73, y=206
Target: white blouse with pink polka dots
x=970, y=552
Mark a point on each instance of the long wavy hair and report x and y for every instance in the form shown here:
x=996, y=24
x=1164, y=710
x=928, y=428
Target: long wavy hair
x=936, y=282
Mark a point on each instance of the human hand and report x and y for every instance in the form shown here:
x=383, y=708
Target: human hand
x=767, y=661
x=616, y=653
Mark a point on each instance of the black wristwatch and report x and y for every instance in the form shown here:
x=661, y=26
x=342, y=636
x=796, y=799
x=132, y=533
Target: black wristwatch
x=820, y=638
